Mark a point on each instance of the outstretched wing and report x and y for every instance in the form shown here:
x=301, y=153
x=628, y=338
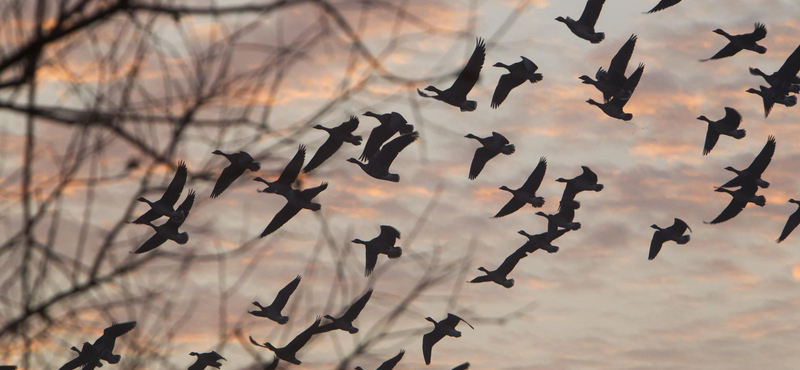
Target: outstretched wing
x=453, y=320
x=392, y=362
x=711, y=140
x=371, y=261
x=349, y=126
x=655, y=244
x=758, y=34
x=482, y=155
x=284, y=215
x=175, y=186
x=512, y=206
x=377, y=137
x=283, y=295
x=591, y=12
x=73, y=364
x=228, y=176
x=511, y=261
x=732, y=118
x=507, y=83
x=184, y=208
x=469, y=75
x=630, y=86
x=428, y=340
x=763, y=158
x=328, y=148
x=292, y=170
x=791, y=224
x=147, y=217
x=620, y=61
x=535, y=179
x=463, y=366
x=663, y=4
x=732, y=210
x=790, y=67
x=728, y=51
x=389, y=152
x=355, y=308
x=301, y=339
x=154, y=242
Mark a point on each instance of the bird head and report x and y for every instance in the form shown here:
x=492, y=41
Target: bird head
x=320, y=127
x=182, y=238
x=356, y=161
x=218, y=152
x=431, y=320
x=193, y=354
x=499, y=64
x=561, y=19
x=753, y=91
x=358, y=241
x=592, y=102
x=431, y=88
x=270, y=346
x=143, y=200
x=522, y=232
x=358, y=368
x=329, y=317
x=485, y=271
x=540, y=213
x=505, y=188
x=794, y=201
x=702, y=118
x=655, y=227
x=729, y=168
x=719, y=31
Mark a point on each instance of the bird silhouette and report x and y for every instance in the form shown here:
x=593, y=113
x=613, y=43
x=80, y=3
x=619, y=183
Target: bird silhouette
x=771, y=96
x=283, y=185
x=737, y=43
x=584, y=26
x=446, y=327
x=525, y=194
x=345, y=322
x=491, y=147
x=273, y=311
x=541, y=241
x=381, y=244
x=456, y=94
x=583, y=182
x=378, y=165
x=239, y=163
x=791, y=223
x=611, y=82
x=500, y=275
x=169, y=230
x=663, y=4
x=288, y=352
x=614, y=107
x=163, y=206
x=740, y=198
x=336, y=137
x=756, y=168
x=390, y=363
x=301, y=199
x=206, y=359
x=728, y=125
x=390, y=124
x=674, y=233
x=562, y=219
x=102, y=349
x=518, y=73
x=782, y=82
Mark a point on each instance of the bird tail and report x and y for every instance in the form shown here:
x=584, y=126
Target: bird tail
x=315, y=207
x=536, y=77
x=255, y=166
x=550, y=248
x=283, y=320
x=598, y=187
x=598, y=37
x=508, y=149
x=574, y=226
x=760, y=201
x=738, y=134
x=114, y=359
x=683, y=239
x=395, y=252
x=393, y=177
x=791, y=101
x=508, y=283
x=469, y=106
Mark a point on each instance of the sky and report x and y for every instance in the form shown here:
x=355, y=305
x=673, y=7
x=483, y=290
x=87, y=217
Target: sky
x=727, y=299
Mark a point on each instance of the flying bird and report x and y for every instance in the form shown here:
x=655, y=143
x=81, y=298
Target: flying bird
x=674, y=233
x=611, y=82
x=456, y=95
x=728, y=125
x=541, y=241
x=239, y=163
x=771, y=96
x=89, y=355
x=525, y=194
x=587, y=180
x=283, y=185
x=491, y=147
x=791, y=223
x=163, y=206
x=782, y=82
x=381, y=244
x=740, y=198
x=500, y=275
x=737, y=43
x=378, y=165
x=446, y=327
x=584, y=27
x=273, y=311
x=390, y=124
x=169, y=230
x=518, y=73
x=756, y=168
x=345, y=322
x=288, y=352
x=562, y=219
x=206, y=359
x=663, y=4
x=614, y=107
x=301, y=199
x=390, y=363
x=336, y=137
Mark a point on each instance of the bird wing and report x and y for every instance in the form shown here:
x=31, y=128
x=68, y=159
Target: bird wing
x=154, y=242
x=392, y=362
x=512, y=206
x=371, y=261
x=591, y=12
x=185, y=207
x=732, y=118
x=147, y=217
x=301, y=339
x=428, y=340
x=284, y=215
x=790, y=67
x=349, y=126
x=355, y=308
x=388, y=235
x=529, y=64
x=663, y=4
x=759, y=33
x=711, y=140
x=228, y=176
x=73, y=364
x=620, y=61
x=588, y=175
x=629, y=88
x=453, y=320
x=727, y=51
x=499, y=138
x=377, y=137
x=292, y=170
x=389, y=152
x=678, y=227
x=763, y=158
x=175, y=187
x=655, y=244
x=274, y=364
x=111, y=333
x=507, y=83
x=469, y=75
x=791, y=224
x=311, y=193
x=283, y=295
x=482, y=155
x=734, y=208
x=197, y=365
x=328, y=148
x=535, y=178
x=511, y=261
x=463, y=366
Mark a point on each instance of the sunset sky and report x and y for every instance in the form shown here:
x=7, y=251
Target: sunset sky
x=728, y=299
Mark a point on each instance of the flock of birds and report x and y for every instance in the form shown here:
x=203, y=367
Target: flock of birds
x=380, y=152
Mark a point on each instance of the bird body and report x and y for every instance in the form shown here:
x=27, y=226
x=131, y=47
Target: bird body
x=239, y=162
x=518, y=73
x=614, y=107
x=739, y=199
x=456, y=94
x=384, y=243
x=378, y=165
x=541, y=241
x=562, y=219
x=673, y=233
x=273, y=311
x=728, y=126
x=525, y=194
x=782, y=82
x=583, y=182
x=584, y=26
x=491, y=147
x=737, y=43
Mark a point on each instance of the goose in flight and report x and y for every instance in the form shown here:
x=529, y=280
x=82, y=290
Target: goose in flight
x=614, y=107
x=456, y=95
x=102, y=349
x=491, y=147
x=345, y=322
x=302, y=200
x=584, y=27
x=587, y=180
x=737, y=43
x=390, y=124
x=500, y=275
x=446, y=327
x=206, y=359
x=163, y=206
x=525, y=194
x=518, y=73
x=674, y=233
x=756, y=168
x=740, y=198
x=541, y=241
x=771, y=96
x=239, y=163
x=378, y=165
x=562, y=219
x=381, y=244
x=728, y=125
x=336, y=137
x=390, y=363
x=288, y=352
x=283, y=185
x=782, y=82
x=273, y=311
x=170, y=230
x=611, y=82
x=663, y=4
x=791, y=223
